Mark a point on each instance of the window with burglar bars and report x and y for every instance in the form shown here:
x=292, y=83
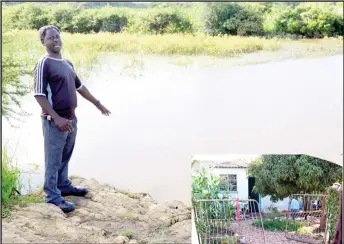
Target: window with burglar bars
x=229, y=182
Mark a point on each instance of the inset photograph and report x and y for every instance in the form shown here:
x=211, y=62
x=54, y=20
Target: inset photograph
x=265, y=199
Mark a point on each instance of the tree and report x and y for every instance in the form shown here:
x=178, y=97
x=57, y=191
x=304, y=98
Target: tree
x=282, y=175
x=233, y=18
x=15, y=66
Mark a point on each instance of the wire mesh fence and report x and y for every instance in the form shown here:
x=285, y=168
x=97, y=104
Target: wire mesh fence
x=306, y=218
x=228, y=221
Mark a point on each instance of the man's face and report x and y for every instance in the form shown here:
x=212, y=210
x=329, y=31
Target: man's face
x=52, y=41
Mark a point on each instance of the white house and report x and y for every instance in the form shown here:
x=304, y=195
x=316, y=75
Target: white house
x=234, y=171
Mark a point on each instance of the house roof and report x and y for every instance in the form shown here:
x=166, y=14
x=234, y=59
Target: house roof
x=234, y=163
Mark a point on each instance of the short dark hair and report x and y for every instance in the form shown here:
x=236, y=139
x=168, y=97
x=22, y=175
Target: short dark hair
x=43, y=31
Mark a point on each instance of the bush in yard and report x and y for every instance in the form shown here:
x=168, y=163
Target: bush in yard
x=278, y=225
x=332, y=209
x=283, y=175
x=205, y=185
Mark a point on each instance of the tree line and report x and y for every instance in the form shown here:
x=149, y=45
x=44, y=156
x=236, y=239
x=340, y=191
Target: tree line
x=310, y=20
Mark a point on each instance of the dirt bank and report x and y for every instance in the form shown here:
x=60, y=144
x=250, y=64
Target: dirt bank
x=106, y=215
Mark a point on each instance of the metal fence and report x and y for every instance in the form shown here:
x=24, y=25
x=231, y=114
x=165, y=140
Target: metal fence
x=228, y=221
x=306, y=218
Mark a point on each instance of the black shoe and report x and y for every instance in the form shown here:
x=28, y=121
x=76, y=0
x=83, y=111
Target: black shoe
x=66, y=206
x=74, y=191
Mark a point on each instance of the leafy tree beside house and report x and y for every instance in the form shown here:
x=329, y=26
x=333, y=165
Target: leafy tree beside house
x=282, y=175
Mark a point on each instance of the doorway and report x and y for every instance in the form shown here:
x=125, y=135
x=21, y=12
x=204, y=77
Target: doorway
x=254, y=206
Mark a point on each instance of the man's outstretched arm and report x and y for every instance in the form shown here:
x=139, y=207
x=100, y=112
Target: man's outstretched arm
x=85, y=93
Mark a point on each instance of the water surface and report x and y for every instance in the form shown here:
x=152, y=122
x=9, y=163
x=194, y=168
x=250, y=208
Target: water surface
x=175, y=109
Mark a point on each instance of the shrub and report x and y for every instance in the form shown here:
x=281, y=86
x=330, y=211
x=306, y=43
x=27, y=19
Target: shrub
x=332, y=209
x=10, y=176
x=232, y=19
x=26, y=16
x=307, y=19
x=113, y=22
x=61, y=15
x=161, y=21
x=205, y=185
x=86, y=22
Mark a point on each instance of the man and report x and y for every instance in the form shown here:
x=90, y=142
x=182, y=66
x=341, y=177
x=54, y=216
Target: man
x=55, y=89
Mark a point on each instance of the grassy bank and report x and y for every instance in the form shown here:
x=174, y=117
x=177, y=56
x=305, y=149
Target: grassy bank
x=10, y=186
x=83, y=49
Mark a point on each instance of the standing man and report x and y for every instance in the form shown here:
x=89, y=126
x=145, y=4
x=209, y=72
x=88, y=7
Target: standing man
x=55, y=89
x=294, y=207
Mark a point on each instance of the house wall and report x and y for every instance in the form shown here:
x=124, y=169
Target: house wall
x=242, y=180
x=242, y=192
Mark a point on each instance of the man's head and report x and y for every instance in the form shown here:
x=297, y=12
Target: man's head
x=50, y=38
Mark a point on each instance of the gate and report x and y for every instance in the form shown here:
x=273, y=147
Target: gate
x=306, y=218
x=228, y=221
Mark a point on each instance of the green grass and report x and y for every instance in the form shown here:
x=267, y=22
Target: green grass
x=10, y=184
x=83, y=49
x=23, y=47
x=10, y=177
x=279, y=225
x=128, y=234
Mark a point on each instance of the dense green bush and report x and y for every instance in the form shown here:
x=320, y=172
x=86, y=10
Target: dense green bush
x=160, y=21
x=62, y=17
x=113, y=22
x=233, y=19
x=206, y=185
x=306, y=19
x=86, y=21
x=25, y=16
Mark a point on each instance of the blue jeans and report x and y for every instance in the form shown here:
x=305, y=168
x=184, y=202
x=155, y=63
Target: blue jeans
x=58, y=149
